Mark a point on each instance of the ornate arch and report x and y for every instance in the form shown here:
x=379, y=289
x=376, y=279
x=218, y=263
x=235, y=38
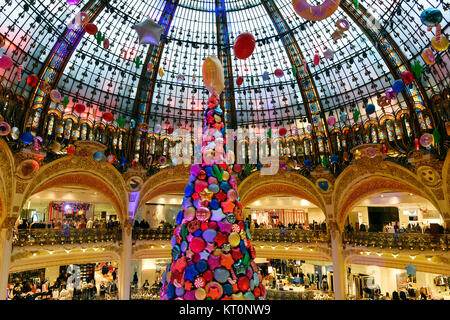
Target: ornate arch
x=257, y=186
x=168, y=180
x=365, y=179
x=83, y=171
x=7, y=180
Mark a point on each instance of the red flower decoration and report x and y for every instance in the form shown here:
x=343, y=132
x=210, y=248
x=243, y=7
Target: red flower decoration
x=221, y=196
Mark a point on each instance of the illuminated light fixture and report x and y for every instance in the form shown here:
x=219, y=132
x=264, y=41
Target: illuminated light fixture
x=273, y=248
x=368, y=253
x=395, y=256
x=163, y=246
x=379, y=254
x=34, y=254
x=311, y=249
x=381, y=196
x=50, y=252
x=67, y=251
x=152, y=247
x=413, y=257
x=95, y=249
x=300, y=249
x=84, y=250
x=429, y=259
x=361, y=252
x=286, y=248
x=103, y=249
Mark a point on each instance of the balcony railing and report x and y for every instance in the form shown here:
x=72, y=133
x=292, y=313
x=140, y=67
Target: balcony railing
x=153, y=234
x=276, y=235
x=65, y=236
x=411, y=241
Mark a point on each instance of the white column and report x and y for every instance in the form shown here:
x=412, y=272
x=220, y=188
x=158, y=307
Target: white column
x=339, y=270
x=5, y=254
x=125, y=263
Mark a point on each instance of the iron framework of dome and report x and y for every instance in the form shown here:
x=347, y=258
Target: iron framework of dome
x=41, y=38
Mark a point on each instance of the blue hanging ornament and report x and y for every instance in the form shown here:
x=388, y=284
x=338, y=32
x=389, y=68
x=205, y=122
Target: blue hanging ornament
x=308, y=163
x=398, y=86
x=370, y=108
x=123, y=161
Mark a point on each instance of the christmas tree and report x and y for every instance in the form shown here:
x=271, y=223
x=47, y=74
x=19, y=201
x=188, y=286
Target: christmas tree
x=212, y=255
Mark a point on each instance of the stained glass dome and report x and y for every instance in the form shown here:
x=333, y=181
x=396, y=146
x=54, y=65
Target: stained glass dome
x=315, y=102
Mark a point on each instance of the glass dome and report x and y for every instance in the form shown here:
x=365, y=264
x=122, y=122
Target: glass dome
x=384, y=39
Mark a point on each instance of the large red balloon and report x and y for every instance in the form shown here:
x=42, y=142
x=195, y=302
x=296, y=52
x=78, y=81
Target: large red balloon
x=107, y=116
x=407, y=77
x=244, y=45
x=90, y=28
x=32, y=80
x=239, y=81
x=80, y=108
x=282, y=132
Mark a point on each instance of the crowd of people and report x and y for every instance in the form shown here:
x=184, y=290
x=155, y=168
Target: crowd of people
x=293, y=226
x=411, y=228
x=24, y=224
x=63, y=289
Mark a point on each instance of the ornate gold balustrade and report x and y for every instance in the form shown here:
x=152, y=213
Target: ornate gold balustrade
x=401, y=241
x=303, y=236
x=41, y=237
x=153, y=234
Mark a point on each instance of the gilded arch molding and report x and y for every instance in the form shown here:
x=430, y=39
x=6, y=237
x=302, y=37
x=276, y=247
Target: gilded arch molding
x=79, y=170
x=364, y=179
x=166, y=181
x=283, y=183
x=7, y=180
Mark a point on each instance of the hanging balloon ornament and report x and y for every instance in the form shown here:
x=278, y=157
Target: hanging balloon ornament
x=265, y=76
x=384, y=149
x=426, y=140
x=107, y=116
x=99, y=37
x=416, y=144
x=55, y=96
x=328, y=54
x=157, y=128
x=137, y=61
x=32, y=80
x=161, y=72
x=213, y=75
x=428, y=56
x=81, y=18
x=370, y=109
x=391, y=94
x=383, y=101
x=90, y=28
x=162, y=160
x=125, y=52
x=19, y=73
x=26, y=137
x=111, y=158
x=79, y=108
x=331, y=120
x=5, y=128
x=342, y=26
x=239, y=80
x=244, y=46
x=407, y=77
x=149, y=32
x=180, y=78
x=343, y=116
x=279, y=73
x=98, y=156
x=193, y=78
x=5, y=61
x=417, y=68
x=398, y=86
x=73, y=2
x=316, y=59
x=432, y=19
x=106, y=44
x=315, y=13
x=356, y=114
x=282, y=131
x=371, y=152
